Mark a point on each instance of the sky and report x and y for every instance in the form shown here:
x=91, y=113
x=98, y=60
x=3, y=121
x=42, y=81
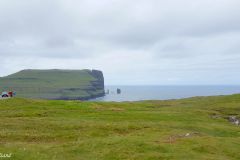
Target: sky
x=134, y=42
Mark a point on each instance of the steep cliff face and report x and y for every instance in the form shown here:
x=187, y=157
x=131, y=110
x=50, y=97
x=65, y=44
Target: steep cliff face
x=99, y=82
x=97, y=89
x=55, y=84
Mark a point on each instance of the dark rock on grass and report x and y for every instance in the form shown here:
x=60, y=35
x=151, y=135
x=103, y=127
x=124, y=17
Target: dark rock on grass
x=234, y=120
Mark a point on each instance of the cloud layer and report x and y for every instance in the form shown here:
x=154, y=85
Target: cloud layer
x=133, y=42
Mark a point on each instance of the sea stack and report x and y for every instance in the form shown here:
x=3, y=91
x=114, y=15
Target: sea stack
x=118, y=91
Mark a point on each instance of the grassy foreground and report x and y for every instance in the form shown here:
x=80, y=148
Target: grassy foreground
x=186, y=129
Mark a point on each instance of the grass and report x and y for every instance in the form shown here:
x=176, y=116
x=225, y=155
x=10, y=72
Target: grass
x=186, y=129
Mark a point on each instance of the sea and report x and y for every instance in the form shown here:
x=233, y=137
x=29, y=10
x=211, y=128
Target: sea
x=139, y=93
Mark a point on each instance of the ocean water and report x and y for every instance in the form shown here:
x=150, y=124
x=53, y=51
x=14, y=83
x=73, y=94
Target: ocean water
x=137, y=93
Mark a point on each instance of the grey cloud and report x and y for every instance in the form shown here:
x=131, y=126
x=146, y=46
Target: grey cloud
x=128, y=24
x=165, y=33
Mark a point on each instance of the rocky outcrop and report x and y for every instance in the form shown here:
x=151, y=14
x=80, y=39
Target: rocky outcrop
x=234, y=120
x=99, y=82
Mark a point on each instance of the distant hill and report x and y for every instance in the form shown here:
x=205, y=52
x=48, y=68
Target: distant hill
x=55, y=84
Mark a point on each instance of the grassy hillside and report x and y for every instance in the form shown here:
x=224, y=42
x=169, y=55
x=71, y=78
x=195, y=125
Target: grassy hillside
x=186, y=129
x=55, y=84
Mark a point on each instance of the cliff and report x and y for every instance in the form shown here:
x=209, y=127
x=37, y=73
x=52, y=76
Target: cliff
x=55, y=84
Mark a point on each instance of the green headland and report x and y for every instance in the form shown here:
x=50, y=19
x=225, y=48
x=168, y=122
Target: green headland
x=186, y=129
x=55, y=84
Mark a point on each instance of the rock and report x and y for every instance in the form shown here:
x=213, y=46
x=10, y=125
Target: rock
x=118, y=91
x=234, y=120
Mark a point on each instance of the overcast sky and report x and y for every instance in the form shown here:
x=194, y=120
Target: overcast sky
x=132, y=41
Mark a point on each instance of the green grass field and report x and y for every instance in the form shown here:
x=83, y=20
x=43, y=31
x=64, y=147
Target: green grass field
x=186, y=129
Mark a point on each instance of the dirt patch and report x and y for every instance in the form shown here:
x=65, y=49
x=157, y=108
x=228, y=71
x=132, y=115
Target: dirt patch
x=117, y=109
x=174, y=138
x=215, y=116
x=101, y=108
